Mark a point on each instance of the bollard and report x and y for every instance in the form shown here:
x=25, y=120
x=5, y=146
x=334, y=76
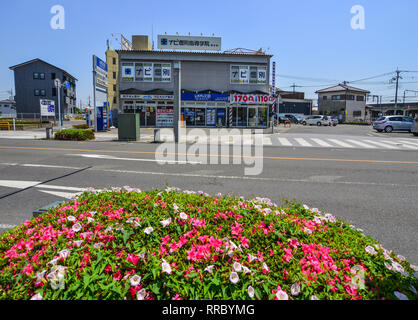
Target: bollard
x=157, y=135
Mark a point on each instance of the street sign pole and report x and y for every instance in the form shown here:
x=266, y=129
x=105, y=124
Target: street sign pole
x=58, y=86
x=177, y=100
x=94, y=95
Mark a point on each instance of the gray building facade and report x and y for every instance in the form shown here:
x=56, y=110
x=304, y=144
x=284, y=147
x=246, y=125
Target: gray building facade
x=218, y=89
x=34, y=80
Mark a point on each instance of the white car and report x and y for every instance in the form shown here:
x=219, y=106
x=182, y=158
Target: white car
x=316, y=121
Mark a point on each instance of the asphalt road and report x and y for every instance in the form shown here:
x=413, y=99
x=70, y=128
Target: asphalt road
x=375, y=190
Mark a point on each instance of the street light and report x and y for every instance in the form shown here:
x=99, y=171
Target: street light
x=59, y=85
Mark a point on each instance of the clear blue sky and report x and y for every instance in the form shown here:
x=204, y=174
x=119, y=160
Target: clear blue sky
x=308, y=38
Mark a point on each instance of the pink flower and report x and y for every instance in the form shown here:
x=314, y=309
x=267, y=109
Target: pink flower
x=133, y=258
x=177, y=297
x=28, y=269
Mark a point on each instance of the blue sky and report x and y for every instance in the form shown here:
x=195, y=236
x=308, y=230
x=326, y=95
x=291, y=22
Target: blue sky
x=309, y=39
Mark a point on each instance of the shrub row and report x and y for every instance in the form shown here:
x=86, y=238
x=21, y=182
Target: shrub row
x=74, y=134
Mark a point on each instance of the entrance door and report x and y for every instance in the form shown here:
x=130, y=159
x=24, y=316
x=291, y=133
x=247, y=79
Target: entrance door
x=252, y=117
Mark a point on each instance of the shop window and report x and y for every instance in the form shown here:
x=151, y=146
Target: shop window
x=262, y=116
x=189, y=116
x=200, y=116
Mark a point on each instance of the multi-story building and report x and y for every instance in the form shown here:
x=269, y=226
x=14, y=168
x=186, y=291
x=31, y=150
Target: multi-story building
x=294, y=103
x=217, y=89
x=34, y=80
x=346, y=102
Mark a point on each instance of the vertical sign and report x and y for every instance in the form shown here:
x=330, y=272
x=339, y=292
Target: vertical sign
x=100, y=85
x=273, y=91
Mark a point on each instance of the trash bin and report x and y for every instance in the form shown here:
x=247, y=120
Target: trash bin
x=128, y=127
x=48, y=132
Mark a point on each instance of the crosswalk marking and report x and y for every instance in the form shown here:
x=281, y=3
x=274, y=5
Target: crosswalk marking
x=361, y=144
x=321, y=142
x=341, y=143
x=410, y=142
x=303, y=142
x=401, y=144
x=380, y=144
x=267, y=141
x=285, y=142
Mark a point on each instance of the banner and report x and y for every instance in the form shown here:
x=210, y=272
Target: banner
x=189, y=43
x=251, y=99
x=47, y=108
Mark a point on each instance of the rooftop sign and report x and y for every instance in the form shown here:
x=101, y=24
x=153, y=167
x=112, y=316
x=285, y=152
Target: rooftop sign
x=189, y=43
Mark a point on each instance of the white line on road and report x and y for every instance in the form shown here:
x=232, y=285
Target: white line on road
x=381, y=144
x=400, y=144
x=410, y=142
x=105, y=157
x=321, y=142
x=361, y=144
x=341, y=143
x=303, y=142
x=285, y=142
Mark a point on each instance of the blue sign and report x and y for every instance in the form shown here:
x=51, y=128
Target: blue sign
x=204, y=97
x=101, y=64
x=164, y=41
x=221, y=113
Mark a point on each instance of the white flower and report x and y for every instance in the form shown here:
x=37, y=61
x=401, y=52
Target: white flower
x=77, y=227
x=251, y=257
x=64, y=253
x=166, y=267
x=175, y=208
x=234, y=277
x=71, y=218
x=400, y=296
x=149, y=230
x=93, y=213
x=40, y=276
x=415, y=268
x=265, y=267
x=130, y=220
x=245, y=270
x=167, y=222
x=314, y=297
x=98, y=245
x=78, y=243
x=136, y=224
x=307, y=230
x=370, y=250
x=90, y=220
x=53, y=261
x=135, y=280
x=412, y=288
x=401, y=258
x=388, y=266
x=37, y=296
x=250, y=291
x=237, y=267
x=209, y=269
x=397, y=267
x=281, y=295
x=108, y=229
x=183, y=216
x=141, y=294
x=415, y=275
x=295, y=289
x=306, y=207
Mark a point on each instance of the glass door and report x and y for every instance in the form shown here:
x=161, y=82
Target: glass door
x=252, y=117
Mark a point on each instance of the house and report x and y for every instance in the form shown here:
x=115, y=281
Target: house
x=7, y=109
x=346, y=102
x=34, y=80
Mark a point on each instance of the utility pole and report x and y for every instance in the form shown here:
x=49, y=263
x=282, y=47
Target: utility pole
x=398, y=72
x=177, y=100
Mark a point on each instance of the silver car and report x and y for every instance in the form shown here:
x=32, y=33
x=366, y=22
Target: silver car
x=393, y=123
x=414, y=129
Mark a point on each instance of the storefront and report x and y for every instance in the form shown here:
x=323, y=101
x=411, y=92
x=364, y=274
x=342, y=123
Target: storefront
x=250, y=110
x=205, y=109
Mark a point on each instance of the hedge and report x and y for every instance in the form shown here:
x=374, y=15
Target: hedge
x=166, y=244
x=74, y=134
x=81, y=126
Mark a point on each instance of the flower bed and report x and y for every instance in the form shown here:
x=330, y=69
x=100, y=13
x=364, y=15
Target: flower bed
x=167, y=244
x=74, y=134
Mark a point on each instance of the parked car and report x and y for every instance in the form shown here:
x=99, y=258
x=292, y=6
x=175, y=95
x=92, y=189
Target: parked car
x=333, y=121
x=316, y=120
x=293, y=118
x=414, y=129
x=393, y=123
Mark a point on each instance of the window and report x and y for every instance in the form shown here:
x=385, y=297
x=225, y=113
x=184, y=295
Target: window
x=336, y=98
x=114, y=60
x=356, y=113
x=114, y=87
x=43, y=92
x=349, y=97
x=54, y=92
x=42, y=76
x=53, y=76
x=114, y=99
x=35, y=75
x=324, y=97
x=114, y=75
x=36, y=92
x=360, y=98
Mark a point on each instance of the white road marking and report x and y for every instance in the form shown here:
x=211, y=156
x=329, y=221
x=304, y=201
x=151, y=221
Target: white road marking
x=105, y=157
x=303, y=142
x=410, y=142
x=381, y=144
x=361, y=144
x=267, y=141
x=18, y=184
x=321, y=142
x=341, y=143
x=47, y=166
x=47, y=186
x=285, y=142
x=7, y=226
x=400, y=144
x=65, y=195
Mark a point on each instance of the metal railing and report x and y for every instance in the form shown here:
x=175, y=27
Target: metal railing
x=4, y=124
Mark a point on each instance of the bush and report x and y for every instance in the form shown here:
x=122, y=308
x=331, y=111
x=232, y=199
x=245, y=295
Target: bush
x=74, y=134
x=81, y=126
x=25, y=122
x=165, y=244
x=79, y=118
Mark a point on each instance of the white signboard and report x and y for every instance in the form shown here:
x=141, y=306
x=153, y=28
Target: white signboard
x=189, y=43
x=47, y=108
x=248, y=74
x=146, y=97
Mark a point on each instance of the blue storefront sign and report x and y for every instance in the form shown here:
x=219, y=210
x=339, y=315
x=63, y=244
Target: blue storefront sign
x=205, y=97
x=221, y=113
x=101, y=64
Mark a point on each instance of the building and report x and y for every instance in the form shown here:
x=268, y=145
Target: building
x=7, y=109
x=294, y=103
x=409, y=109
x=34, y=80
x=346, y=102
x=218, y=89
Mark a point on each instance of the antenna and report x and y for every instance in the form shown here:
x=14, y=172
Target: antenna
x=152, y=26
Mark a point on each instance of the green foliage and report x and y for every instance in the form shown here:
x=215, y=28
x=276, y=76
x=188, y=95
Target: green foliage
x=165, y=244
x=74, y=134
